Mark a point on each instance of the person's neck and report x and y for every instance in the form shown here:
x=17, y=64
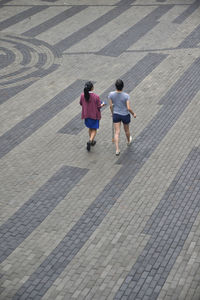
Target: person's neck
x=118, y=91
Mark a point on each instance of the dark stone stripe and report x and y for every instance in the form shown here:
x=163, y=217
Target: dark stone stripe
x=4, y=2
x=124, y=2
x=26, y=53
x=6, y=59
x=7, y=93
x=68, y=13
x=132, y=78
x=29, y=125
x=42, y=59
x=91, y=27
x=173, y=104
x=192, y=40
x=34, y=42
x=24, y=49
x=180, y=19
x=37, y=208
x=22, y=70
x=134, y=33
x=169, y=227
x=74, y=240
x=22, y=16
x=37, y=74
x=49, y=0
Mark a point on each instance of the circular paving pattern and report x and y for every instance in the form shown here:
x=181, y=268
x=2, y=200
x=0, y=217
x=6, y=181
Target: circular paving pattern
x=24, y=60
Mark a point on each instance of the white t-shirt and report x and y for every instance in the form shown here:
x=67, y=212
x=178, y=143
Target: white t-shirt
x=119, y=100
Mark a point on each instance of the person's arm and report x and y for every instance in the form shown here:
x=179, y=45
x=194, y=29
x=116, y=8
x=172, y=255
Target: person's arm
x=80, y=101
x=99, y=104
x=111, y=106
x=129, y=108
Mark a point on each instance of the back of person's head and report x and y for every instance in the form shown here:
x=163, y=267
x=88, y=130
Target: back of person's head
x=88, y=87
x=119, y=84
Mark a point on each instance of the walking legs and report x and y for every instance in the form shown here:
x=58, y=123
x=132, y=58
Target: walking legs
x=117, y=133
x=92, y=134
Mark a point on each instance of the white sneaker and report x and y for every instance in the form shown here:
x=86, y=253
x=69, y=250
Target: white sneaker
x=130, y=141
x=117, y=153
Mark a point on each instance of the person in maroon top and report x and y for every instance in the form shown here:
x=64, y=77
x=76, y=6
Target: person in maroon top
x=91, y=111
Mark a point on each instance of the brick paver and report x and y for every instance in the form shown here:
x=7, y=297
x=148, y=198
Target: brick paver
x=79, y=225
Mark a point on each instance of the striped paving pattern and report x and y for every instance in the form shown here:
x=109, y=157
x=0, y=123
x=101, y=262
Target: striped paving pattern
x=79, y=225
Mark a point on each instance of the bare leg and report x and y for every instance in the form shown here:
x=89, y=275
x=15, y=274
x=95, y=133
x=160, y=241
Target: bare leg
x=93, y=133
x=90, y=131
x=127, y=132
x=117, y=132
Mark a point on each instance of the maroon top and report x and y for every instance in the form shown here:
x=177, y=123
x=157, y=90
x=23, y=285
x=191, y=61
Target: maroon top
x=91, y=109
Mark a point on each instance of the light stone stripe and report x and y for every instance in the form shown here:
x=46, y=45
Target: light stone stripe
x=172, y=219
x=10, y=12
x=8, y=91
x=27, y=78
x=43, y=15
x=15, y=72
x=174, y=102
x=187, y=12
x=154, y=39
x=149, y=92
x=105, y=200
x=110, y=29
x=121, y=229
x=166, y=2
x=2, y=2
x=21, y=16
x=192, y=40
x=25, y=128
x=56, y=33
x=27, y=101
x=30, y=254
x=37, y=208
x=186, y=264
x=91, y=27
x=22, y=3
x=90, y=2
x=134, y=33
x=52, y=20
x=178, y=39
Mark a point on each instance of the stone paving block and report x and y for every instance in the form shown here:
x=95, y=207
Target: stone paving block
x=86, y=247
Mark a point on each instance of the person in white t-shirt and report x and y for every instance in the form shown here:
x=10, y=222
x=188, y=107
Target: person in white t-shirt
x=121, y=110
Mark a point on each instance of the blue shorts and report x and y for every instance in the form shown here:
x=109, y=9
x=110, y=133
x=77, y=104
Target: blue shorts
x=91, y=123
x=119, y=118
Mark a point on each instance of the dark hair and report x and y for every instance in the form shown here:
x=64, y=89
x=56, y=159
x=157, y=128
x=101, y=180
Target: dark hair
x=119, y=84
x=88, y=87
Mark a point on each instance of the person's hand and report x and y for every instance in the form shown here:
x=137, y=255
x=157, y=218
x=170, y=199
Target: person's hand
x=134, y=115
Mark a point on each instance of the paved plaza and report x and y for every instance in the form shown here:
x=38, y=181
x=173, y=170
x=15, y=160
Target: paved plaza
x=90, y=225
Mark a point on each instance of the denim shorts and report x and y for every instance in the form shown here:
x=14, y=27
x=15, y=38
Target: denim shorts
x=119, y=118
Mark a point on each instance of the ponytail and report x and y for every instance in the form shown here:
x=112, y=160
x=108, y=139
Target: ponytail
x=88, y=87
